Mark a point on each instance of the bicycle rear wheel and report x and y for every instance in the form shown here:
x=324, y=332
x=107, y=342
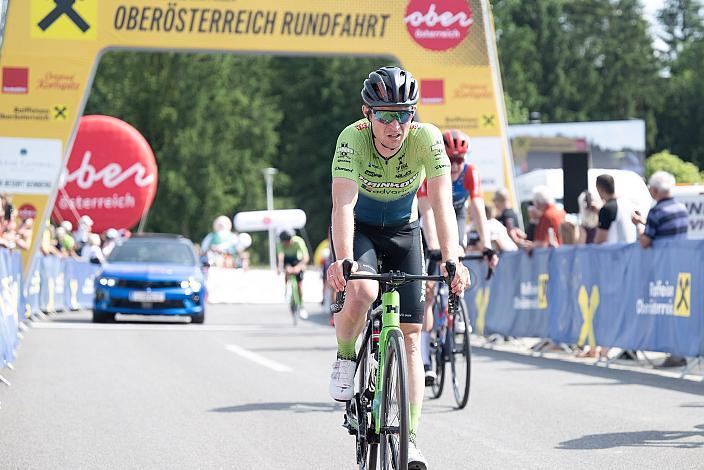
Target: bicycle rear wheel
x=461, y=357
x=437, y=356
x=394, y=414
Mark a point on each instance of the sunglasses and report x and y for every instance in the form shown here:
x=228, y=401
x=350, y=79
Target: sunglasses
x=387, y=117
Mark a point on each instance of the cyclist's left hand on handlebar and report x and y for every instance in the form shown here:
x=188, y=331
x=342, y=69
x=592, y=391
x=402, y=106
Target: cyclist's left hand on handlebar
x=336, y=278
x=461, y=280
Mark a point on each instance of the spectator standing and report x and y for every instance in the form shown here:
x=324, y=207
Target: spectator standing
x=24, y=234
x=668, y=219
x=615, y=225
x=589, y=206
x=506, y=215
x=48, y=247
x=547, y=232
x=111, y=237
x=91, y=251
x=220, y=245
x=570, y=233
x=85, y=228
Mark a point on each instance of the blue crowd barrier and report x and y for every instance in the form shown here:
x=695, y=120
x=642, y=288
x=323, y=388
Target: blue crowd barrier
x=610, y=295
x=55, y=285
x=10, y=301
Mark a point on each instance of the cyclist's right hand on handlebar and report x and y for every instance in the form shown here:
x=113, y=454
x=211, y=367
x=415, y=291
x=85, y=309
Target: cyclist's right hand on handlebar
x=336, y=277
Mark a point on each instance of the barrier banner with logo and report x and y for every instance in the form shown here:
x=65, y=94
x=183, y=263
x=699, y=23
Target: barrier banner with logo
x=32, y=289
x=585, y=304
x=514, y=302
x=50, y=50
x=607, y=295
x=10, y=280
x=664, y=303
x=51, y=295
x=78, y=276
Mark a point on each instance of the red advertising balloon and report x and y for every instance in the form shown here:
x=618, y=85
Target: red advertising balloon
x=111, y=175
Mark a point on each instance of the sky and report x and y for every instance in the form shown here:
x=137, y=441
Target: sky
x=650, y=9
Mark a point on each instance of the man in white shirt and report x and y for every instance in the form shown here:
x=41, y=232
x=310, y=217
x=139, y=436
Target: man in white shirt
x=615, y=225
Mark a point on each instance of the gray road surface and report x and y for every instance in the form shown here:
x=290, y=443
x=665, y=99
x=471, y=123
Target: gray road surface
x=249, y=391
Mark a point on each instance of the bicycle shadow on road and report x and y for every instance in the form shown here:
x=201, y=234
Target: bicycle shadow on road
x=295, y=407
x=668, y=439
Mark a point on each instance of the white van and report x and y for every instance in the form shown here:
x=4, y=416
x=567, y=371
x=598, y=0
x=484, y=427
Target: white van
x=692, y=196
x=629, y=185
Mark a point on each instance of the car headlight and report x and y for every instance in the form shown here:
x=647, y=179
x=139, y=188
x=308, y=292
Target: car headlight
x=192, y=284
x=107, y=281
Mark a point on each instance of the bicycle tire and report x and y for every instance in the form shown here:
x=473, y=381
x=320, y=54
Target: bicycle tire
x=461, y=357
x=437, y=362
x=394, y=446
x=373, y=452
x=293, y=304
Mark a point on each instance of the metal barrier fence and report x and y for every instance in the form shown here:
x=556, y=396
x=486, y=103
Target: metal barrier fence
x=608, y=295
x=57, y=284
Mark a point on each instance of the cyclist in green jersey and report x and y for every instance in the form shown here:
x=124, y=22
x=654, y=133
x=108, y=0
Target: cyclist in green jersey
x=378, y=166
x=293, y=257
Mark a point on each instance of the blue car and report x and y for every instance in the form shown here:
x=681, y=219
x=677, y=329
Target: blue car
x=151, y=274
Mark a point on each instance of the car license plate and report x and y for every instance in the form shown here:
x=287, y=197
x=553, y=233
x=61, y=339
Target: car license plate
x=147, y=296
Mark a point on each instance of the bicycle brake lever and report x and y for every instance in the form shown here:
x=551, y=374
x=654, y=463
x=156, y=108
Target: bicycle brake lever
x=452, y=298
x=340, y=296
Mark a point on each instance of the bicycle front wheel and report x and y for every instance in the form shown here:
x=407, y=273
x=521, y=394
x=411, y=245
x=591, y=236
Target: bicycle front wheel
x=394, y=413
x=366, y=452
x=461, y=357
x=293, y=302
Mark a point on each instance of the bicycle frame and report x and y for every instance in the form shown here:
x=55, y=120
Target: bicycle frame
x=293, y=285
x=390, y=320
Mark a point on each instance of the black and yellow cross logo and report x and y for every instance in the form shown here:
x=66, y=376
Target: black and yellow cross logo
x=683, y=295
x=489, y=120
x=543, y=291
x=63, y=7
x=60, y=113
x=588, y=305
x=64, y=19
x=481, y=300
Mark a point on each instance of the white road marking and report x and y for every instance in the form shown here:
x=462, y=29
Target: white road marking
x=259, y=359
x=49, y=325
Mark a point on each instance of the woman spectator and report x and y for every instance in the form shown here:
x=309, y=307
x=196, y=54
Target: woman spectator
x=24, y=234
x=589, y=206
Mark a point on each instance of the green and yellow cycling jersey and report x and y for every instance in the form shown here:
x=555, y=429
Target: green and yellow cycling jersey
x=387, y=187
x=295, y=250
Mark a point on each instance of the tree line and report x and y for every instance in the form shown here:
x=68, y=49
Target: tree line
x=215, y=121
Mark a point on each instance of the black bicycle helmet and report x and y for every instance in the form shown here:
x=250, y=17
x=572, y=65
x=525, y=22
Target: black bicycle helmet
x=390, y=86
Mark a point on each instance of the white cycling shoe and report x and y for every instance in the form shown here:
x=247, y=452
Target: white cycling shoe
x=303, y=313
x=342, y=380
x=416, y=461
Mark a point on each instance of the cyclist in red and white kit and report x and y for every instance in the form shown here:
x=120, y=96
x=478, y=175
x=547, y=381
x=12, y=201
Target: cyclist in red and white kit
x=466, y=191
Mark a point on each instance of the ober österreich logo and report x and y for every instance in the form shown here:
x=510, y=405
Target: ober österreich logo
x=438, y=25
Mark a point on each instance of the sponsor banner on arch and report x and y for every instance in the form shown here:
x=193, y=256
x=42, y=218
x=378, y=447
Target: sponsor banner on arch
x=50, y=50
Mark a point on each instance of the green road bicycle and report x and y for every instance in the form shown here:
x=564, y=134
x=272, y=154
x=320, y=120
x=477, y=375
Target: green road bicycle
x=379, y=415
x=295, y=303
